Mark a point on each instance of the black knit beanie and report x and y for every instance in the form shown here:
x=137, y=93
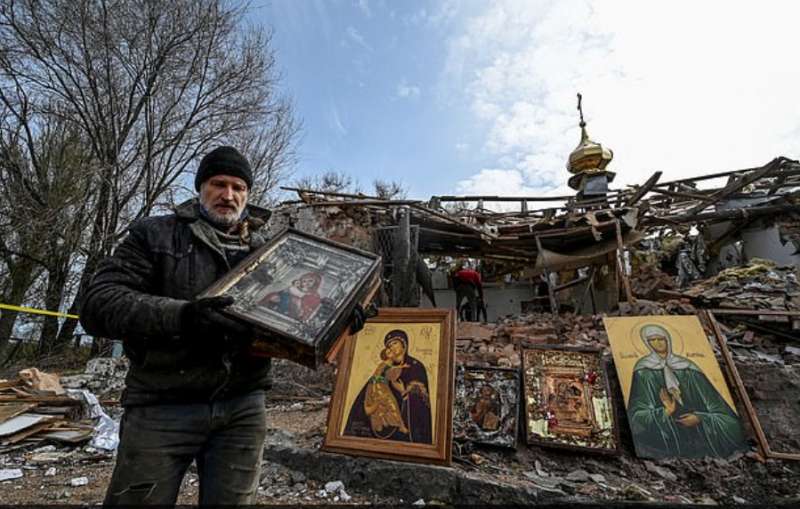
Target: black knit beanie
x=224, y=161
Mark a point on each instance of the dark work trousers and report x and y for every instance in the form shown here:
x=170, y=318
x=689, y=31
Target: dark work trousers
x=159, y=442
x=474, y=305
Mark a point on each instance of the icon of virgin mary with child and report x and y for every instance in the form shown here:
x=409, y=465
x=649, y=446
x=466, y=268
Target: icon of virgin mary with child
x=395, y=402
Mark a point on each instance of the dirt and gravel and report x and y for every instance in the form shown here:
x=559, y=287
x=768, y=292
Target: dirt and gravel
x=52, y=474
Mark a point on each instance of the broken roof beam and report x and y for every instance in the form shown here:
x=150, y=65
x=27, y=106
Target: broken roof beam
x=643, y=189
x=724, y=215
x=301, y=191
x=678, y=194
x=418, y=206
x=715, y=175
x=364, y=202
x=738, y=183
x=502, y=198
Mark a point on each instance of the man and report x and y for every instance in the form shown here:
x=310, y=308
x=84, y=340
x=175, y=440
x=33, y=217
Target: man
x=467, y=284
x=674, y=410
x=192, y=392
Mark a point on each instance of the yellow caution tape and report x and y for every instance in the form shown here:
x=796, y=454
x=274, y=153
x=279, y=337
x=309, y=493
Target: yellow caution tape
x=35, y=311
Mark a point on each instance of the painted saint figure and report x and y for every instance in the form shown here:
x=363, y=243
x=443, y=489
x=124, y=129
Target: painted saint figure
x=404, y=379
x=673, y=408
x=486, y=410
x=380, y=404
x=300, y=300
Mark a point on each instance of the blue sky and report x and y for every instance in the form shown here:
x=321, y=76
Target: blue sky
x=476, y=97
x=365, y=81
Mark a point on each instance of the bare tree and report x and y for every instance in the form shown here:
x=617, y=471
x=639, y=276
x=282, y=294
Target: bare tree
x=330, y=181
x=46, y=197
x=149, y=85
x=389, y=190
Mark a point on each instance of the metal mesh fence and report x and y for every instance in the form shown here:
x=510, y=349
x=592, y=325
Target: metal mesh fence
x=384, y=242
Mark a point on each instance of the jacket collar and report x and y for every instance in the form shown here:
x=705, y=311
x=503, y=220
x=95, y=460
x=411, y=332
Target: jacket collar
x=189, y=211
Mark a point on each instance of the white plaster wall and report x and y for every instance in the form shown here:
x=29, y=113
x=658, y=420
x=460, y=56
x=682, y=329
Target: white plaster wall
x=500, y=300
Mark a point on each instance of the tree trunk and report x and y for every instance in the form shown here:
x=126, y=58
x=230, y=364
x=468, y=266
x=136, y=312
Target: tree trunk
x=55, y=293
x=21, y=278
x=68, y=327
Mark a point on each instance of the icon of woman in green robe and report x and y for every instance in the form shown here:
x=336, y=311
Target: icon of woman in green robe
x=673, y=409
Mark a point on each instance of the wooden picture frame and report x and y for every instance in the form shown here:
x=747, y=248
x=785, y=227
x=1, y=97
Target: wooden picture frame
x=298, y=290
x=738, y=385
x=487, y=405
x=403, y=360
x=583, y=417
x=676, y=397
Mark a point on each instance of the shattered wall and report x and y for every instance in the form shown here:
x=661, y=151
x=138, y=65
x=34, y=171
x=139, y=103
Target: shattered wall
x=351, y=225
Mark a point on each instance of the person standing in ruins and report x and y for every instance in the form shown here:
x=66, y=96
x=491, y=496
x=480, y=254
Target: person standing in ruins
x=468, y=286
x=192, y=392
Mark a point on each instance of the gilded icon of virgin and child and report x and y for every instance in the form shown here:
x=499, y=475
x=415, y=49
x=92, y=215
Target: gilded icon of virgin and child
x=395, y=402
x=298, y=301
x=673, y=408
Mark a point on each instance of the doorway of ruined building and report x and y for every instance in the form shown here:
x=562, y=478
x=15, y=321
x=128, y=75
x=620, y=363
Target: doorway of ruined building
x=584, y=290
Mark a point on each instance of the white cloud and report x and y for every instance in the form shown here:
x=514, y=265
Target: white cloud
x=407, y=91
x=356, y=37
x=683, y=87
x=505, y=182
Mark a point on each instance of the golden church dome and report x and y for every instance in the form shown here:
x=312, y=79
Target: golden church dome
x=589, y=156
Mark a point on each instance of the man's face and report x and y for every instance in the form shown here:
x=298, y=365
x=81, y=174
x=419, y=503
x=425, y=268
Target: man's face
x=224, y=198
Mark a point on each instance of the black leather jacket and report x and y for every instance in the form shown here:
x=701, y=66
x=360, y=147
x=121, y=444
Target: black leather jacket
x=136, y=295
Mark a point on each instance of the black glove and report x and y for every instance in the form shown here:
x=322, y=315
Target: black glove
x=201, y=318
x=360, y=316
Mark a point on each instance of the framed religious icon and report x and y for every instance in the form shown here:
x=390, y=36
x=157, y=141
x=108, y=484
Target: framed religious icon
x=299, y=291
x=677, y=401
x=394, y=388
x=568, y=403
x=487, y=405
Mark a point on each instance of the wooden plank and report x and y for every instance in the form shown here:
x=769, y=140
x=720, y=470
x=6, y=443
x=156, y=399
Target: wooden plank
x=679, y=194
x=739, y=388
x=722, y=215
x=643, y=189
x=626, y=283
x=70, y=436
x=22, y=435
x=739, y=183
x=426, y=210
x=9, y=410
x=753, y=312
x=21, y=422
x=51, y=400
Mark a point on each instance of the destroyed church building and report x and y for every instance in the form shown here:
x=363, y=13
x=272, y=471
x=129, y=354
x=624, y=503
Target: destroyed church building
x=584, y=254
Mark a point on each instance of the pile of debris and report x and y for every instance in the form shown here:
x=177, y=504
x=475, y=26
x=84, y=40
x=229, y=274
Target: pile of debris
x=35, y=408
x=498, y=345
x=647, y=279
x=758, y=285
x=103, y=376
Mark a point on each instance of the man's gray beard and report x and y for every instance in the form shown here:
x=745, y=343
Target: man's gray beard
x=223, y=219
